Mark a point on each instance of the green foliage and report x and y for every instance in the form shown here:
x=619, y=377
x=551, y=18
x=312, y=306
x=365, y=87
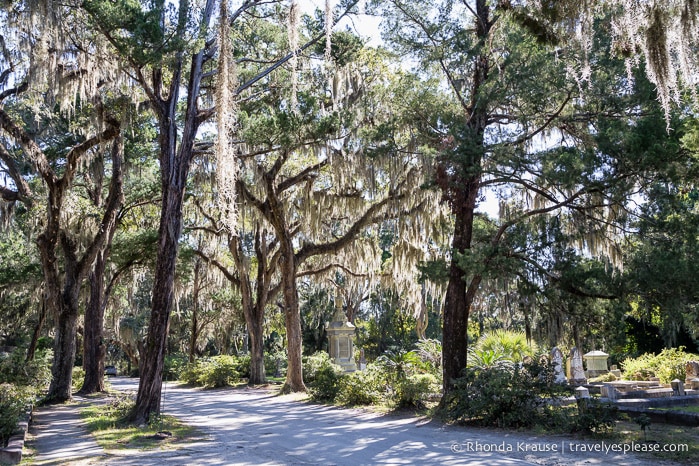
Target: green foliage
x=503, y=345
x=414, y=389
x=173, y=366
x=668, y=365
x=326, y=383
x=608, y=377
x=218, y=371
x=504, y=395
x=313, y=364
x=13, y=402
x=596, y=417
x=78, y=378
x=16, y=370
x=363, y=387
x=344, y=47
x=275, y=360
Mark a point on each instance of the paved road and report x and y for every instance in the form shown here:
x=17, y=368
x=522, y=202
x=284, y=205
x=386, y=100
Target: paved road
x=255, y=427
x=59, y=436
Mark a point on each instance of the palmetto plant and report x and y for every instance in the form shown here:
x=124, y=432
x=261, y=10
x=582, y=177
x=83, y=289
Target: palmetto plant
x=504, y=345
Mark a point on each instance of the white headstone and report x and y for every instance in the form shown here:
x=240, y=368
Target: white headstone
x=577, y=372
x=557, y=361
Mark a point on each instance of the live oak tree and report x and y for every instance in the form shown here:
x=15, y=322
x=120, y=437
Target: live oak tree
x=50, y=75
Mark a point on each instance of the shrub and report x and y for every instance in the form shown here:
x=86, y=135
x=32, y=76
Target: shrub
x=326, y=383
x=597, y=417
x=504, y=395
x=78, y=378
x=314, y=363
x=12, y=404
x=16, y=370
x=413, y=390
x=363, y=387
x=667, y=366
x=274, y=360
x=506, y=344
x=430, y=352
x=608, y=377
x=173, y=366
x=243, y=365
x=218, y=371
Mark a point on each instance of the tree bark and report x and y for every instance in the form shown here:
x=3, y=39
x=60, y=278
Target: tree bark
x=93, y=345
x=37, y=332
x=153, y=359
x=292, y=317
x=257, y=357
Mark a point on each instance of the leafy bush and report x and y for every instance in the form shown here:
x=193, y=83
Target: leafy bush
x=667, y=366
x=504, y=395
x=314, y=363
x=78, y=378
x=218, y=371
x=274, y=360
x=413, y=390
x=608, y=377
x=16, y=370
x=363, y=387
x=243, y=365
x=430, y=352
x=13, y=402
x=173, y=366
x=326, y=383
x=597, y=417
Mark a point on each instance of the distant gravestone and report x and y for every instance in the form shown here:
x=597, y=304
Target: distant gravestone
x=576, y=374
x=691, y=370
x=557, y=361
x=609, y=391
x=677, y=387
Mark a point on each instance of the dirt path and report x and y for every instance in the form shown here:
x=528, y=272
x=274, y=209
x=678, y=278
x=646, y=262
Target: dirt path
x=255, y=427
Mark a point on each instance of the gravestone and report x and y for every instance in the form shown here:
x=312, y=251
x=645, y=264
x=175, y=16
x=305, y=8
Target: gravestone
x=576, y=373
x=557, y=361
x=677, y=388
x=609, y=391
x=691, y=370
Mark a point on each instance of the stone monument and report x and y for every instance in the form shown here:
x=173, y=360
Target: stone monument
x=341, y=339
x=596, y=362
x=557, y=361
x=576, y=373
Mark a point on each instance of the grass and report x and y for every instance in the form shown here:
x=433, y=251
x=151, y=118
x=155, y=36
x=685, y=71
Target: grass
x=664, y=435
x=110, y=430
x=688, y=409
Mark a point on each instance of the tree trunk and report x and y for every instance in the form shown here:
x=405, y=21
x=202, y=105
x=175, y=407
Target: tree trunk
x=457, y=305
x=93, y=345
x=194, y=329
x=257, y=357
x=60, y=389
x=153, y=359
x=292, y=314
x=37, y=331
